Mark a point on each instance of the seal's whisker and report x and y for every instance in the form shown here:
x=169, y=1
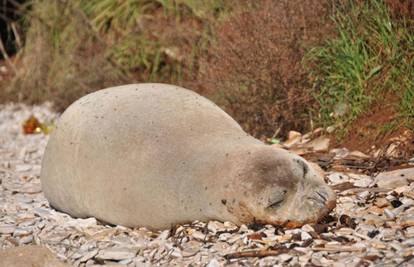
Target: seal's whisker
x=322, y=196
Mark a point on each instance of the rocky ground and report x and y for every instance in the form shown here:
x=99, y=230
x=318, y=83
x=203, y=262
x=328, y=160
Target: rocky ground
x=373, y=223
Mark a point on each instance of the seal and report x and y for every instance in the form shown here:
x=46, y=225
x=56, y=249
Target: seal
x=156, y=155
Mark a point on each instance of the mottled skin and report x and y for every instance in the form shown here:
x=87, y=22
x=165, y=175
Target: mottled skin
x=156, y=155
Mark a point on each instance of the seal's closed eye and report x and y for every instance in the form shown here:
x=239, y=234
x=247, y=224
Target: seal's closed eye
x=277, y=199
x=304, y=166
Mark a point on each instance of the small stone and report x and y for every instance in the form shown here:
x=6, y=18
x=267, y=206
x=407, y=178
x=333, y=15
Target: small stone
x=407, y=221
x=284, y=257
x=338, y=178
x=26, y=240
x=30, y=189
x=198, y=235
x=378, y=245
x=7, y=229
x=233, y=239
x=381, y=202
x=42, y=212
x=24, y=199
x=294, y=134
x=283, y=238
x=176, y=253
x=213, y=263
x=358, y=154
x=164, y=235
x=23, y=231
x=388, y=234
x=243, y=228
x=389, y=214
x=214, y=226
x=394, y=179
x=363, y=194
x=339, y=153
x=81, y=223
x=347, y=221
x=305, y=236
x=409, y=231
x=396, y=203
x=125, y=262
x=373, y=233
x=319, y=144
x=219, y=246
x=23, y=168
x=116, y=253
x=190, y=248
x=392, y=151
x=364, y=182
x=344, y=231
x=229, y=226
x=308, y=228
x=293, y=139
x=330, y=129
x=402, y=189
x=89, y=255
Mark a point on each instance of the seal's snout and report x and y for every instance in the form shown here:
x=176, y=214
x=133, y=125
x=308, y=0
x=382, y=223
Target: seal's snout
x=325, y=197
x=319, y=197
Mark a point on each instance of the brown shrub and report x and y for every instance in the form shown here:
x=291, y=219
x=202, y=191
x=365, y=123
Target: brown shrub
x=254, y=69
x=76, y=47
x=401, y=8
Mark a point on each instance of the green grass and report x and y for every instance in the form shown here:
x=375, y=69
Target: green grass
x=372, y=55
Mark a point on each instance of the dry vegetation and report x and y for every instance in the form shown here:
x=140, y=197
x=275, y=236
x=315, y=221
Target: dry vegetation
x=248, y=56
x=255, y=69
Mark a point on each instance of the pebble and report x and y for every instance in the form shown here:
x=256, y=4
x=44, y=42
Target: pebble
x=305, y=236
x=23, y=168
x=363, y=182
x=407, y=221
x=319, y=144
x=116, y=253
x=381, y=202
x=198, y=235
x=213, y=263
x=214, y=226
x=89, y=255
x=7, y=229
x=394, y=179
x=389, y=214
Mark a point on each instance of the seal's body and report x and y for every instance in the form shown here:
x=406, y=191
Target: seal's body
x=156, y=155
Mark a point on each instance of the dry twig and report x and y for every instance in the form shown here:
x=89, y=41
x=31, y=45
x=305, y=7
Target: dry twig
x=257, y=253
x=6, y=56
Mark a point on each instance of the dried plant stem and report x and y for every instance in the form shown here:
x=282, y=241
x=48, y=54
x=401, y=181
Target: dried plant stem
x=256, y=253
x=6, y=56
x=16, y=35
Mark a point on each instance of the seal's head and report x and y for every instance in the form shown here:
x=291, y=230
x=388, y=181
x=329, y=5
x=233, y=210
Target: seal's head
x=278, y=187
